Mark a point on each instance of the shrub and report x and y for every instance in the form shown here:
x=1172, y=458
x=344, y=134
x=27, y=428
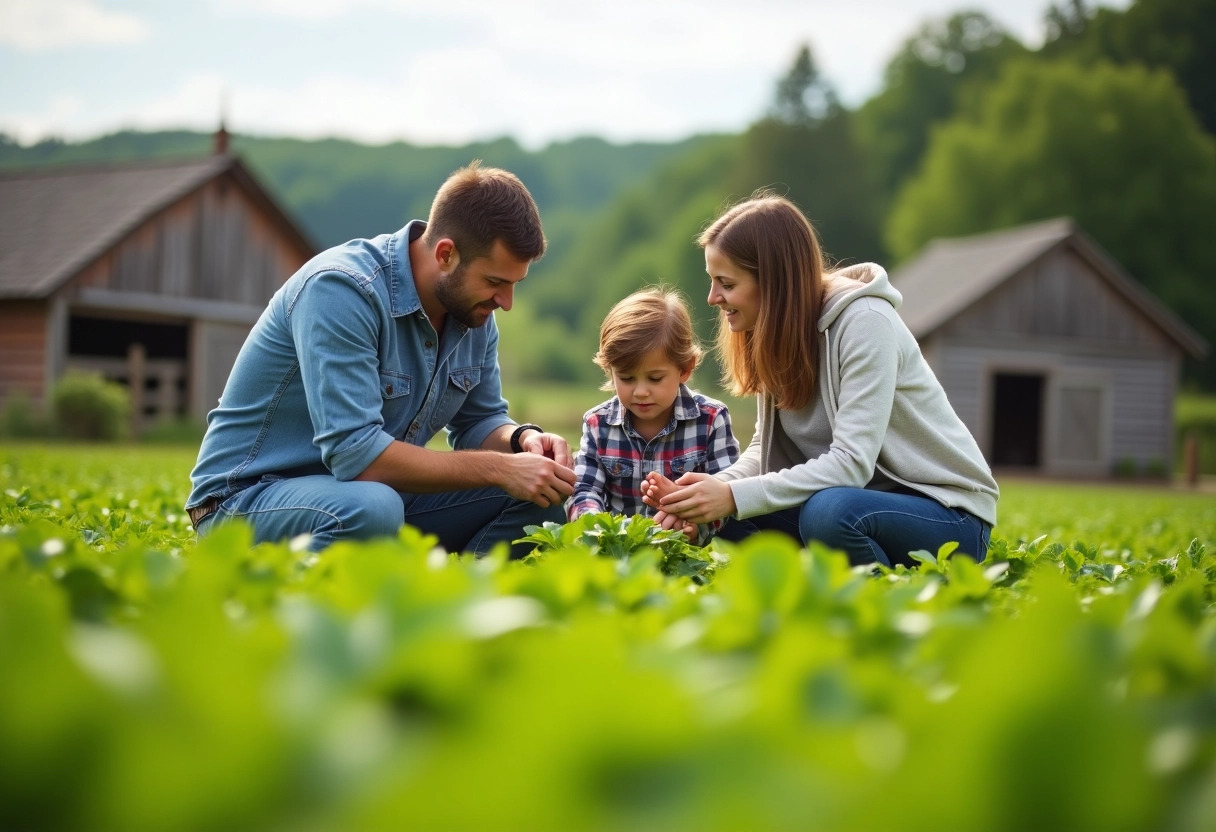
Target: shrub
x=21, y=418
x=1195, y=415
x=86, y=406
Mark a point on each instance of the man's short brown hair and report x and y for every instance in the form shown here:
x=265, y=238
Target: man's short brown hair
x=477, y=206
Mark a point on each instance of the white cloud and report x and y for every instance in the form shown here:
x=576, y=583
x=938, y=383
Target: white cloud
x=451, y=72
x=30, y=127
x=39, y=25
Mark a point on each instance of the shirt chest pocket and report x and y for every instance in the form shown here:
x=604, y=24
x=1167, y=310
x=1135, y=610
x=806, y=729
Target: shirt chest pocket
x=465, y=379
x=394, y=385
x=619, y=467
x=460, y=383
x=687, y=464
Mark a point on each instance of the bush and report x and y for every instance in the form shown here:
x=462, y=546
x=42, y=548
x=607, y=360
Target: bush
x=1195, y=415
x=86, y=406
x=21, y=418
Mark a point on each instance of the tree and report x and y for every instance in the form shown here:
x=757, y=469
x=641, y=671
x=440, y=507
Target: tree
x=802, y=95
x=1065, y=21
x=925, y=84
x=1116, y=148
x=1171, y=34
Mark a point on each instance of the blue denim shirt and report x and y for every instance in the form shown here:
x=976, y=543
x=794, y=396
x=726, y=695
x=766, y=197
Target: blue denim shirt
x=343, y=361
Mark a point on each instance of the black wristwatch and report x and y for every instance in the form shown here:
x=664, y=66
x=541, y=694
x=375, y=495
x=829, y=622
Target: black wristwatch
x=518, y=432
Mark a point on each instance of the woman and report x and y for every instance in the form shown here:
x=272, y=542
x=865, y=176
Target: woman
x=856, y=444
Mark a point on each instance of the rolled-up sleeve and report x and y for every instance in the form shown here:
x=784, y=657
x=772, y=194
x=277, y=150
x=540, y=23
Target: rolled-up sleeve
x=336, y=329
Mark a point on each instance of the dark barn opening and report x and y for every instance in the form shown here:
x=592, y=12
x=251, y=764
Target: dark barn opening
x=103, y=345
x=1017, y=419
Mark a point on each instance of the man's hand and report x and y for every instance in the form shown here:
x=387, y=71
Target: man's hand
x=547, y=445
x=697, y=498
x=537, y=478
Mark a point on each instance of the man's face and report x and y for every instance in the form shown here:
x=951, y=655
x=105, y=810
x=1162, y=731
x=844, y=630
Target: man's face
x=473, y=290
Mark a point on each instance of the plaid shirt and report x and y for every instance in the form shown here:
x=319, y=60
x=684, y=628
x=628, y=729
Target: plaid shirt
x=614, y=459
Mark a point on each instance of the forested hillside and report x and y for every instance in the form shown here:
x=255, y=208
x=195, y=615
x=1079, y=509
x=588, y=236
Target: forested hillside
x=1110, y=121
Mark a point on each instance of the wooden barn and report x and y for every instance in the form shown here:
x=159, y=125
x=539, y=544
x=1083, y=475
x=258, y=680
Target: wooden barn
x=152, y=272
x=1057, y=360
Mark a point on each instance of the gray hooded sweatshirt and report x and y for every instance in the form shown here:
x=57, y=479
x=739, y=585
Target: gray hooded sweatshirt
x=880, y=416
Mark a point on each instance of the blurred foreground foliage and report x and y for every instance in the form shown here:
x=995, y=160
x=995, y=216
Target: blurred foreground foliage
x=607, y=682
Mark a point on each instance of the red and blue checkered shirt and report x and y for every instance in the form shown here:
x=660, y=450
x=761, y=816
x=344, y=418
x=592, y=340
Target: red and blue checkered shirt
x=614, y=459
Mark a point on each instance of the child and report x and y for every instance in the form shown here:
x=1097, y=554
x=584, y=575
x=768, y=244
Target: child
x=654, y=423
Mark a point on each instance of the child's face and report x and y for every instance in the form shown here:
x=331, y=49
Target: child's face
x=648, y=391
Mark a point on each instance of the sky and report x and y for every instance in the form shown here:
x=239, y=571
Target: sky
x=446, y=72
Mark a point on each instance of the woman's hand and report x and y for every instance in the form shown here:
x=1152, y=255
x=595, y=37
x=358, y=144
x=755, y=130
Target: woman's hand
x=696, y=498
x=654, y=488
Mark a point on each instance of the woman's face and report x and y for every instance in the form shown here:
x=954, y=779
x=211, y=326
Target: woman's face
x=733, y=290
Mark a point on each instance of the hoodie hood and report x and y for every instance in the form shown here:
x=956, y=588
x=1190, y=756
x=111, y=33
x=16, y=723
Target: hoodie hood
x=863, y=280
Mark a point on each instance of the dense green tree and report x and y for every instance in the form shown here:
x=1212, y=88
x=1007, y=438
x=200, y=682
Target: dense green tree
x=924, y=85
x=1177, y=35
x=1116, y=148
x=803, y=96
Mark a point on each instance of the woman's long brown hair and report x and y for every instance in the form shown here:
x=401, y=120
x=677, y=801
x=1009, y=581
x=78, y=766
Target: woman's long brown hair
x=770, y=237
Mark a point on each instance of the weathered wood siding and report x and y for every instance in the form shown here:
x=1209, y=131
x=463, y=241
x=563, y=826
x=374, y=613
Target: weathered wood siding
x=1060, y=320
x=213, y=245
x=23, y=348
x=1061, y=297
x=1141, y=390
x=213, y=347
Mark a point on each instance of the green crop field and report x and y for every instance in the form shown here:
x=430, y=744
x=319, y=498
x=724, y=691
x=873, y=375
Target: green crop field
x=617, y=680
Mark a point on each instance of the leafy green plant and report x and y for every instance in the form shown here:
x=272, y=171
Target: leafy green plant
x=152, y=681
x=86, y=406
x=20, y=418
x=618, y=536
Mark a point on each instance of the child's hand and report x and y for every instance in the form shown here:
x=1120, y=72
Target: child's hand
x=655, y=487
x=691, y=532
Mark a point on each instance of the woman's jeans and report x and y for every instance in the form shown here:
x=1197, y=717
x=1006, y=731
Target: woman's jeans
x=872, y=526
x=330, y=509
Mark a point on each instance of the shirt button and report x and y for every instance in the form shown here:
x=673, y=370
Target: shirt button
x=388, y=389
x=429, y=344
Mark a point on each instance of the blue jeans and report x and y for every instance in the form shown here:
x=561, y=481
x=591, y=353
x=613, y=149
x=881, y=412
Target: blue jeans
x=872, y=526
x=329, y=509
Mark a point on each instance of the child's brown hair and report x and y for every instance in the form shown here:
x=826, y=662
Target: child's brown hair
x=649, y=319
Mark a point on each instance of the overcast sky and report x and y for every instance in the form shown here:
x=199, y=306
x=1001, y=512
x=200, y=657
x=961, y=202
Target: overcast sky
x=446, y=71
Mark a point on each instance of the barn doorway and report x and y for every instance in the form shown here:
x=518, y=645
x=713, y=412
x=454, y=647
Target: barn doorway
x=1017, y=419
x=102, y=345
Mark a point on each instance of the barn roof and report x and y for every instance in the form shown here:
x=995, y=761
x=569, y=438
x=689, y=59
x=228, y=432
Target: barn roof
x=950, y=274
x=56, y=221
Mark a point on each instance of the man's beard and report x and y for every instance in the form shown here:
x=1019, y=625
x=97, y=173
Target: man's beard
x=450, y=291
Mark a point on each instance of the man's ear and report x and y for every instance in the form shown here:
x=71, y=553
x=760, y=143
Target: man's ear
x=446, y=255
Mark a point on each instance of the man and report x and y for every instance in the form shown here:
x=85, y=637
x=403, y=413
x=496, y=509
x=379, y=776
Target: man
x=359, y=359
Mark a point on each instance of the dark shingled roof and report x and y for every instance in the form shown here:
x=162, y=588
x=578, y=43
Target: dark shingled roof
x=950, y=274
x=56, y=221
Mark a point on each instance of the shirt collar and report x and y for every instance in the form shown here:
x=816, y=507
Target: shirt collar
x=403, y=294
x=686, y=407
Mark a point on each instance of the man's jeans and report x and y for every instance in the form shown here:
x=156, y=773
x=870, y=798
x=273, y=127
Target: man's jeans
x=329, y=509
x=872, y=526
